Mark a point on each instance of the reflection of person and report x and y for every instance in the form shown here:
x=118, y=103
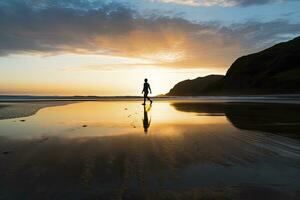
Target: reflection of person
x=146, y=120
x=146, y=90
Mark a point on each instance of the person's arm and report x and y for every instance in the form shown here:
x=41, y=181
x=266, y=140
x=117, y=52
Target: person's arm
x=150, y=89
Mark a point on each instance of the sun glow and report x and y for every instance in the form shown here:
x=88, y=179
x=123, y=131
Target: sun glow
x=165, y=57
x=74, y=74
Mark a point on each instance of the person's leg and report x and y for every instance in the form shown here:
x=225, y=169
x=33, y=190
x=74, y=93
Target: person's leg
x=149, y=99
x=144, y=101
x=145, y=96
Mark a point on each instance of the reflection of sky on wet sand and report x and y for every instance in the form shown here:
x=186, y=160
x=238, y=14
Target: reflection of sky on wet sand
x=101, y=119
x=52, y=153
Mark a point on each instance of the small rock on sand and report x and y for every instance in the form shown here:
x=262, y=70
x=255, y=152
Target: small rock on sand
x=22, y=120
x=6, y=152
x=84, y=125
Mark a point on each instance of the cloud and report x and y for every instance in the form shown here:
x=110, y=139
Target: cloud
x=224, y=3
x=115, y=29
x=262, y=35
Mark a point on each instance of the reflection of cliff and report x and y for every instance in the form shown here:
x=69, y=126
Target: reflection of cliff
x=281, y=119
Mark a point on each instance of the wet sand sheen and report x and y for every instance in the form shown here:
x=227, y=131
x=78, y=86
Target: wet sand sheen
x=100, y=149
x=9, y=110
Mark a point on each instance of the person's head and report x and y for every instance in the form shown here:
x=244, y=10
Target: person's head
x=146, y=80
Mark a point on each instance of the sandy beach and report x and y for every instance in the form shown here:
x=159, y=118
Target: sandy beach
x=10, y=110
x=172, y=149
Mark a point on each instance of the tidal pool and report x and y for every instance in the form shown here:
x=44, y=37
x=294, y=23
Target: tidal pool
x=170, y=150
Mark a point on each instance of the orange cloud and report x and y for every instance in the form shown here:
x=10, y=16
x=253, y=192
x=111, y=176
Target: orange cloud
x=174, y=45
x=117, y=30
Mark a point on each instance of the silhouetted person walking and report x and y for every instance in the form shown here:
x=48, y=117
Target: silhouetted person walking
x=146, y=90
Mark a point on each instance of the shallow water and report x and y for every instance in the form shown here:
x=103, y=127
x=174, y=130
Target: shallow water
x=172, y=149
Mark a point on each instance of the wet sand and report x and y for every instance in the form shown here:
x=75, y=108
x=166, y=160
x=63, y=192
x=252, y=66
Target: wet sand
x=10, y=110
x=100, y=150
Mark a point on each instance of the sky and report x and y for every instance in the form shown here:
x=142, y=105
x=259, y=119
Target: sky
x=108, y=47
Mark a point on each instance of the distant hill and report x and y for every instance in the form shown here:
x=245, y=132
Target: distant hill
x=271, y=71
x=274, y=70
x=196, y=86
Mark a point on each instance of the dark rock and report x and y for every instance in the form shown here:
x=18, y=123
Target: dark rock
x=6, y=152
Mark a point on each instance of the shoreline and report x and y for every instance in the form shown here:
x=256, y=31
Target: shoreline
x=12, y=98
x=11, y=109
